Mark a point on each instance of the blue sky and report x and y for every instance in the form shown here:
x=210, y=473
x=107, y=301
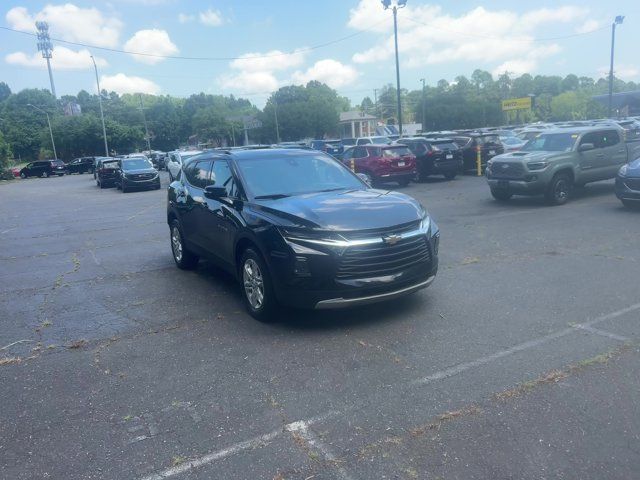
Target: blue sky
x=437, y=40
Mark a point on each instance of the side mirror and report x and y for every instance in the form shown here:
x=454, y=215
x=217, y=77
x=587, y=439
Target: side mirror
x=215, y=193
x=585, y=147
x=364, y=178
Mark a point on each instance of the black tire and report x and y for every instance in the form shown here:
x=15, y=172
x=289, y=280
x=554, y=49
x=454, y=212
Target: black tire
x=100, y=184
x=45, y=174
x=422, y=177
x=501, y=195
x=559, y=189
x=450, y=175
x=630, y=204
x=266, y=310
x=23, y=175
x=170, y=176
x=404, y=183
x=185, y=259
x=123, y=188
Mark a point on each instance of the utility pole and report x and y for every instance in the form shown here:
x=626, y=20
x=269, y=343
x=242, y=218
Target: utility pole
x=53, y=144
x=618, y=21
x=275, y=113
x=45, y=46
x=104, y=130
x=397, y=4
x=424, y=114
x=375, y=103
x=144, y=119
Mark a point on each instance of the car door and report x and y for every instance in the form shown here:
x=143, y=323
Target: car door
x=217, y=220
x=590, y=160
x=615, y=153
x=196, y=177
x=174, y=164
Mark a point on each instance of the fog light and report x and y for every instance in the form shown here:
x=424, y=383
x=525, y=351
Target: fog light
x=301, y=267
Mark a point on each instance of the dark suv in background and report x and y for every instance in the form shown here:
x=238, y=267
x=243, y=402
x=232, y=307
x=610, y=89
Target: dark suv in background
x=105, y=172
x=136, y=173
x=80, y=165
x=332, y=147
x=297, y=227
x=435, y=156
x=43, y=168
x=489, y=144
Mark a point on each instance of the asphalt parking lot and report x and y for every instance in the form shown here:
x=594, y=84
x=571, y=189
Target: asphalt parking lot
x=520, y=361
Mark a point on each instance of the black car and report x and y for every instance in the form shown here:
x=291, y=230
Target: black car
x=105, y=172
x=136, y=173
x=488, y=143
x=298, y=228
x=43, y=168
x=80, y=165
x=435, y=156
x=332, y=147
x=628, y=184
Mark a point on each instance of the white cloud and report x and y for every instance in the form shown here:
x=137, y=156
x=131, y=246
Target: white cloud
x=186, y=18
x=211, y=18
x=121, y=83
x=71, y=23
x=154, y=42
x=428, y=35
x=329, y=71
x=624, y=72
x=63, y=59
x=588, y=26
x=250, y=82
x=268, y=62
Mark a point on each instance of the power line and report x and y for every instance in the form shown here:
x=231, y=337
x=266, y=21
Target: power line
x=180, y=57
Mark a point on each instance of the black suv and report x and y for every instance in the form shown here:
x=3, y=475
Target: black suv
x=81, y=165
x=105, y=172
x=43, y=168
x=135, y=173
x=435, y=156
x=488, y=143
x=297, y=227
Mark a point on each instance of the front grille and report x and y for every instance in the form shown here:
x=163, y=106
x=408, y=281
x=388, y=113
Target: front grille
x=142, y=176
x=632, y=183
x=507, y=170
x=381, y=259
x=381, y=232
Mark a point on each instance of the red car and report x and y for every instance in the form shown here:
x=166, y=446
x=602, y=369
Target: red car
x=382, y=163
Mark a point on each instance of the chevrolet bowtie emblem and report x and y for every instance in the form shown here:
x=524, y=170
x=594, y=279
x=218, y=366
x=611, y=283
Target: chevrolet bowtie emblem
x=391, y=239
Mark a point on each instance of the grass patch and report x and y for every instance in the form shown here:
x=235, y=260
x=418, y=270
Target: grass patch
x=10, y=361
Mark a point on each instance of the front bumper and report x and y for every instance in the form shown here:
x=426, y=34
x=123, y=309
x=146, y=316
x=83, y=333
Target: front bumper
x=624, y=192
x=146, y=183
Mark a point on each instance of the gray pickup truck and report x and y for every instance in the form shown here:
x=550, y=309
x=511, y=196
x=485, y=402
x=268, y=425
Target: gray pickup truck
x=557, y=160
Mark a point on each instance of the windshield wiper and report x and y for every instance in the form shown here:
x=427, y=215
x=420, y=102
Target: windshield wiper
x=273, y=196
x=332, y=189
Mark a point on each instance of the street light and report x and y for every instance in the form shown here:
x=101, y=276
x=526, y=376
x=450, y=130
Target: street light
x=618, y=21
x=395, y=5
x=104, y=130
x=55, y=155
x=424, y=117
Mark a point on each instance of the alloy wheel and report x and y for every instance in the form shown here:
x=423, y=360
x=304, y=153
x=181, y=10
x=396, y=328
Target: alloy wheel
x=253, y=283
x=561, y=190
x=176, y=244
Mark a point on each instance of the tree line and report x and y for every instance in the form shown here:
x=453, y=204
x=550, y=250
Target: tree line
x=291, y=113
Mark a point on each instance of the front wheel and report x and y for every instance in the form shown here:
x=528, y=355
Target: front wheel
x=559, y=189
x=629, y=204
x=501, y=195
x=122, y=187
x=256, y=287
x=23, y=175
x=45, y=174
x=184, y=258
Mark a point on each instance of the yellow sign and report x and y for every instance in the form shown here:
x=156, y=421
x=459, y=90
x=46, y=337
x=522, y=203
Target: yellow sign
x=523, y=103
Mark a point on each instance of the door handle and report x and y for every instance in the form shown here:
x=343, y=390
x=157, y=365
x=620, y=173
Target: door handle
x=621, y=150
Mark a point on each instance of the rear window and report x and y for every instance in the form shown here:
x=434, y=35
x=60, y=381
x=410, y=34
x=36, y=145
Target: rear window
x=380, y=140
x=57, y=162
x=462, y=141
x=110, y=165
x=448, y=145
x=349, y=141
x=395, y=152
x=488, y=139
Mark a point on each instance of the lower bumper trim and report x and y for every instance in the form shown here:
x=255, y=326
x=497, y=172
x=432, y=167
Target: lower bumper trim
x=351, y=302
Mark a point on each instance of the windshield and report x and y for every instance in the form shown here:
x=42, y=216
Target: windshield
x=551, y=142
x=510, y=140
x=136, y=164
x=380, y=140
x=293, y=174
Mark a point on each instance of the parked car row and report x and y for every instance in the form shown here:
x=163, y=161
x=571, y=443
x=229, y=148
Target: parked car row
x=133, y=172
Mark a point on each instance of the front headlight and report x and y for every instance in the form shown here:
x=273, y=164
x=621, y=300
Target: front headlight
x=535, y=166
x=623, y=171
x=425, y=223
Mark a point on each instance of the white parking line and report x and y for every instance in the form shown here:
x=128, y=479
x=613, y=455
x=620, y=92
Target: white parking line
x=302, y=426
x=602, y=333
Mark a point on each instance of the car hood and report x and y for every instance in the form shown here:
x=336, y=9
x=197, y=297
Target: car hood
x=141, y=170
x=523, y=156
x=349, y=210
x=633, y=168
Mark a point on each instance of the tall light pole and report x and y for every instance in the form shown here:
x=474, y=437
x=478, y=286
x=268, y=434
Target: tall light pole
x=424, y=114
x=144, y=120
x=104, y=130
x=394, y=8
x=618, y=21
x=55, y=155
x=275, y=113
x=45, y=46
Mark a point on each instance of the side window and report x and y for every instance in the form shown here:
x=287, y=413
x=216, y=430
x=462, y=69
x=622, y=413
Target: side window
x=360, y=152
x=199, y=173
x=610, y=138
x=221, y=177
x=347, y=154
x=592, y=137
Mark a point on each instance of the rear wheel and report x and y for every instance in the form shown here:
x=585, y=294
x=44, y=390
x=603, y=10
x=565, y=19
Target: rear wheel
x=501, y=195
x=23, y=175
x=122, y=187
x=45, y=174
x=630, y=204
x=405, y=182
x=256, y=287
x=170, y=176
x=185, y=259
x=559, y=189
x=450, y=175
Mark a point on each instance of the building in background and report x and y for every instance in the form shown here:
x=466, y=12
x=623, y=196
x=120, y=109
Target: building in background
x=356, y=124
